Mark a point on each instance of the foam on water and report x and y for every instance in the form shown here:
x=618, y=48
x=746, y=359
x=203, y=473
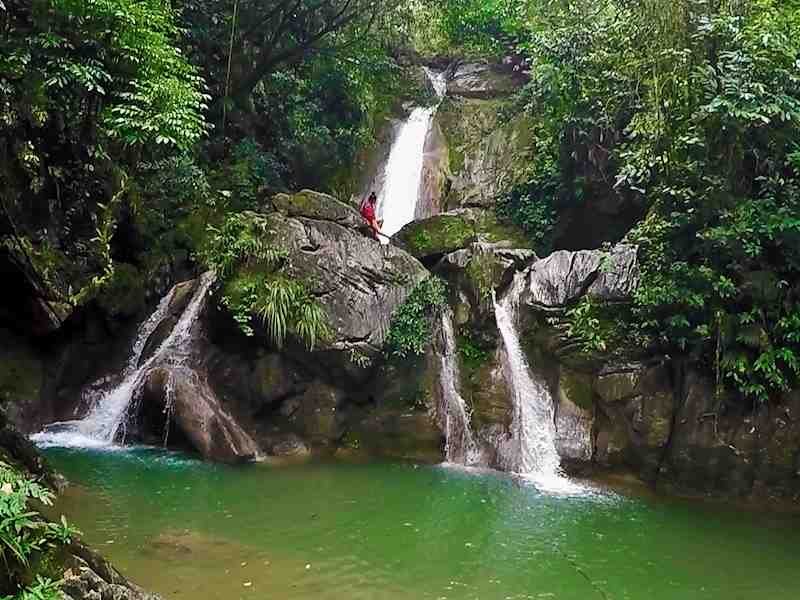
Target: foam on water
x=105, y=424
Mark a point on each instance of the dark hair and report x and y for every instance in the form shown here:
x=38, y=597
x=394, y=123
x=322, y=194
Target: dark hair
x=373, y=197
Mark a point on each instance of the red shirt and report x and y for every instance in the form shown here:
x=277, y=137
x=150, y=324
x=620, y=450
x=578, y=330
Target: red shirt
x=368, y=211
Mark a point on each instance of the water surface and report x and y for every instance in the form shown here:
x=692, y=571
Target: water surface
x=193, y=531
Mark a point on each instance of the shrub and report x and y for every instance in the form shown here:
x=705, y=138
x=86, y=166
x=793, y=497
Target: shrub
x=410, y=328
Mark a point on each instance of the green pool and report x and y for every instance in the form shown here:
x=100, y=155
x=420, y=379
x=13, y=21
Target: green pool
x=193, y=531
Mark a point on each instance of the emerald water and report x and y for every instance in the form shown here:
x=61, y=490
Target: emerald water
x=191, y=530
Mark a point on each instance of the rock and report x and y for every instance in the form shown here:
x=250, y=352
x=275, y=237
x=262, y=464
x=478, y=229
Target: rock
x=315, y=415
x=564, y=277
x=194, y=408
x=488, y=155
x=319, y=207
x=359, y=282
x=481, y=80
x=89, y=576
x=435, y=174
x=289, y=445
x=639, y=403
x=574, y=416
x=711, y=451
x=481, y=268
x=432, y=238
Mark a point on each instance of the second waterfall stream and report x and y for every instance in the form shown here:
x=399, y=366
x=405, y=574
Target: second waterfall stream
x=530, y=450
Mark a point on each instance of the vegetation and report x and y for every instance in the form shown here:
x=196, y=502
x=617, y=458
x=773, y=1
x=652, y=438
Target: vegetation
x=25, y=536
x=687, y=113
x=410, y=329
x=256, y=280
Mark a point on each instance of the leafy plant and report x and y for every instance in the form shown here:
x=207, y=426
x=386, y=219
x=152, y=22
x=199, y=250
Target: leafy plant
x=410, y=327
x=24, y=534
x=254, y=275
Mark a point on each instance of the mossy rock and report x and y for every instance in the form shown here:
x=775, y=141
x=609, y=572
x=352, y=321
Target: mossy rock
x=314, y=205
x=578, y=388
x=21, y=370
x=451, y=231
x=124, y=295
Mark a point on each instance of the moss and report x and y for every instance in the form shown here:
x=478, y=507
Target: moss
x=577, y=387
x=447, y=232
x=124, y=295
x=21, y=370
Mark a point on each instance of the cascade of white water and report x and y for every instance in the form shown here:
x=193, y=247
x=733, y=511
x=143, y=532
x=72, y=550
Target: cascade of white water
x=403, y=172
x=105, y=423
x=531, y=450
x=460, y=445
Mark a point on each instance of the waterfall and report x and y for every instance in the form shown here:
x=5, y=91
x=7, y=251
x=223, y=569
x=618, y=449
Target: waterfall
x=107, y=419
x=397, y=203
x=531, y=449
x=460, y=445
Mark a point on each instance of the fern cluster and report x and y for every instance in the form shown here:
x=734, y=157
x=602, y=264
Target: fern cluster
x=25, y=535
x=256, y=282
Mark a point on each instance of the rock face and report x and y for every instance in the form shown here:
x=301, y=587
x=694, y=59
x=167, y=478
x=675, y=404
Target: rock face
x=176, y=394
x=564, y=277
x=359, y=281
x=482, y=80
x=430, y=239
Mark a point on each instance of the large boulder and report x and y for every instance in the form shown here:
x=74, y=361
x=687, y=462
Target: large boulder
x=430, y=239
x=193, y=408
x=481, y=79
x=565, y=277
x=319, y=207
x=173, y=391
x=359, y=281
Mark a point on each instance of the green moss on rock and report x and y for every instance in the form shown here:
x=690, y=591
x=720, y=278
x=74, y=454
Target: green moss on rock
x=21, y=370
x=447, y=232
x=124, y=294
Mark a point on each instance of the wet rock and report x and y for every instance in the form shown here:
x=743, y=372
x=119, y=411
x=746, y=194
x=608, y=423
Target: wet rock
x=193, y=408
x=565, y=277
x=430, y=239
x=288, y=445
x=88, y=576
x=435, y=174
x=574, y=416
x=316, y=206
x=481, y=79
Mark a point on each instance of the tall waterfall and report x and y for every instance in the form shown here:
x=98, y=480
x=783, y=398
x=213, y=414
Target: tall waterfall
x=106, y=422
x=531, y=451
x=403, y=172
x=460, y=445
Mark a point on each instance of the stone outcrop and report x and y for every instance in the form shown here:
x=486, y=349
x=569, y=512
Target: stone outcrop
x=430, y=239
x=565, y=277
x=359, y=282
x=483, y=80
x=88, y=576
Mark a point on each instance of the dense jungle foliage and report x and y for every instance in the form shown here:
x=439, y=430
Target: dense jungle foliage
x=135, y=134
x=688, y=111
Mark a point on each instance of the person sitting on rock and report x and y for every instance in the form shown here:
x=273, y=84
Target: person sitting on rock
x=367, y=210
